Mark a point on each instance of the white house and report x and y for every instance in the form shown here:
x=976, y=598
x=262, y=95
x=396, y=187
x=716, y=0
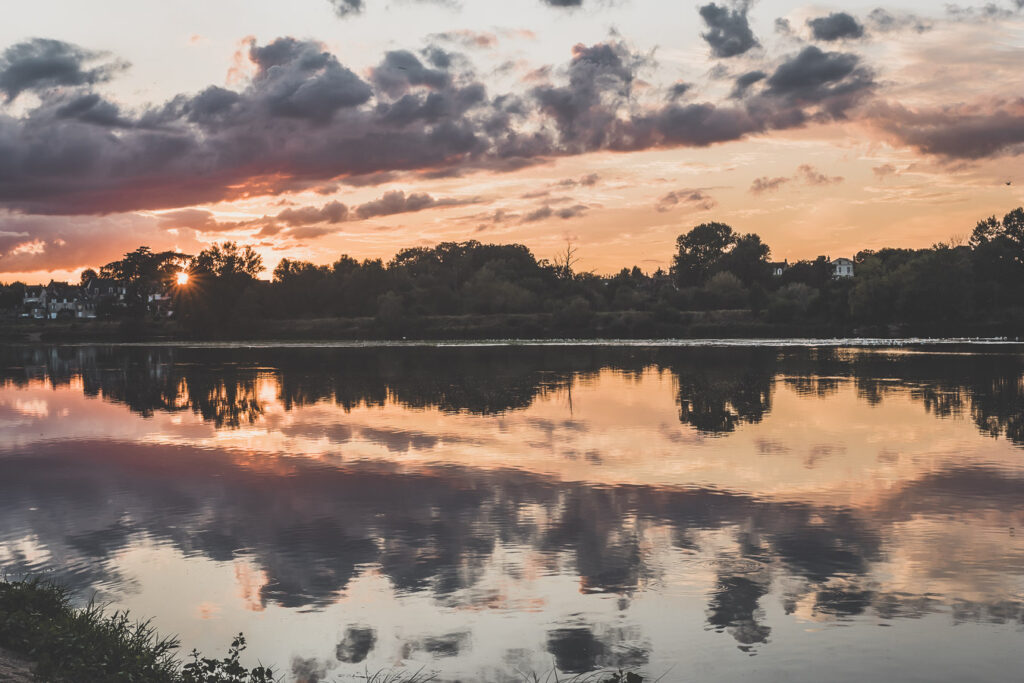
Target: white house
x=842, y=268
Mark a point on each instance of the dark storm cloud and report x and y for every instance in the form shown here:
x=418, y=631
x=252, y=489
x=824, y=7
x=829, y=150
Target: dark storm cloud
x=400, y=70
x=40, y=63
x=835, y=26
x=586, y=109
x=92, y=108
x=957, y=131
x=729, y=31
x=61, y=159
x=299, y=79
x=834, y=80
x=678, y=90
x=306, y=122
x=744, y=82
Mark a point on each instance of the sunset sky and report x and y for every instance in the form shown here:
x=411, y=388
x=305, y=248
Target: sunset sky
x=313, y=128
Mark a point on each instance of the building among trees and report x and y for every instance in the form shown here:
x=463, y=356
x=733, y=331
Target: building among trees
x=842, y=268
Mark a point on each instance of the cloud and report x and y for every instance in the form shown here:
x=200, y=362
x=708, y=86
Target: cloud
x=467, y=38
x=744, y=82
x=884, y=170
x=766, y=184
x=563, y=3
x=199, y=220
x=309, y=232
x=298, y=122
x=835, y=80
x=332, y=212
x=31, y=243
x=884, y=21
x=729, y=31
x=588, y=180
x=783, y=27
x=401, y=70
x=693, y=198
x=990, y=11
x=92, y=108
x=958, y=131
x=812, y=176
x=805, y=173
x=585, y=110
x=347, y=8
x=305, y=122
x=42, y=63
x=545, y=212
x=835, y=26
x=309, y=221
x=679, y=89
x=299, y=79
x=397, y=201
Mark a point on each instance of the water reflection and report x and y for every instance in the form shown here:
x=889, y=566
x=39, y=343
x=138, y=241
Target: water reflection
x=718, y=388
x=844, y=487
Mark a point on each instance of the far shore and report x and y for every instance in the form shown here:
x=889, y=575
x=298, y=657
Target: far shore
x=727, y=324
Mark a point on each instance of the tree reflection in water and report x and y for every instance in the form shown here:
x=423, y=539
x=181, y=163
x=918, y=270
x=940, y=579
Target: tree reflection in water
x=719, y=388
x=435, y=531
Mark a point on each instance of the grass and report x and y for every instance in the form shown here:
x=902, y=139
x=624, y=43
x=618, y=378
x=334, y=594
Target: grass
x=89, y=645
x=38, y=622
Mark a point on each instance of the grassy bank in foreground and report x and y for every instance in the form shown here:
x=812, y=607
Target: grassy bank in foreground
x=38, y=623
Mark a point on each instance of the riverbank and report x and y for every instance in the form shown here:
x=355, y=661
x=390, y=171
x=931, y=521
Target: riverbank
x=726, y=324
x=41, y=631
x=44, y=638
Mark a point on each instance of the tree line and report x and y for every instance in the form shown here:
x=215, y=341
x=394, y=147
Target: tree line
x=714, y=268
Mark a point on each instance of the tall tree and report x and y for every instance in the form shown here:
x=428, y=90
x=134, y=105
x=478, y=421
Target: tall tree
x=227, y=259
x=143, y=272
x=748, y=260
x=699, y=251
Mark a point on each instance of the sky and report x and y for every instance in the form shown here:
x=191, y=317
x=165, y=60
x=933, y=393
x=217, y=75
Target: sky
x=315, y=128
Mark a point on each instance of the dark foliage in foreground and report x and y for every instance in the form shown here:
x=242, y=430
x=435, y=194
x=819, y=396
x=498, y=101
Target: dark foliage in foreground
x=67, y=644
x=88, y=645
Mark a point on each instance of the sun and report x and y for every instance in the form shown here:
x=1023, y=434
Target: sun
x=182, y=278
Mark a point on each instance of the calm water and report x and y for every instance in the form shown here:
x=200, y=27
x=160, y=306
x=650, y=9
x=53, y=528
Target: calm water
x=719, y=514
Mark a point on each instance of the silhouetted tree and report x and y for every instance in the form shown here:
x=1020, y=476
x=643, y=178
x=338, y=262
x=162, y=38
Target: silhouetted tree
x=144, y=272
x=699, y=251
